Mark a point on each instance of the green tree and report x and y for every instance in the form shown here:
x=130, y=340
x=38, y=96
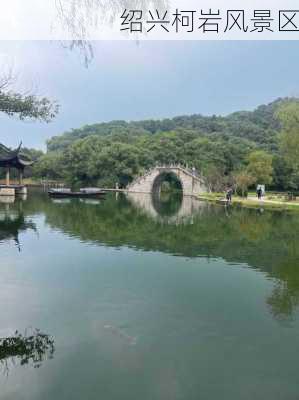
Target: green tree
x=50, y=166
x=282, y=173
x=218, y=147
x=243, y=181
x=288, y=115
x=260, y=167
x=25, y=106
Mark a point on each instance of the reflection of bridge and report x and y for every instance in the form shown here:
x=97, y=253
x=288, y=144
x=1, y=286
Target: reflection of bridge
x=187, y=209
x=192, y=184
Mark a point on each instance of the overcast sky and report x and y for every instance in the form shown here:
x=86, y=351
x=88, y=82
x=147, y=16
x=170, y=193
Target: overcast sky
x=148, y=80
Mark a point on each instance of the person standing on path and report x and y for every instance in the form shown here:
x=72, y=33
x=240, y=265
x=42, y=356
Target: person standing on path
x=229, y=194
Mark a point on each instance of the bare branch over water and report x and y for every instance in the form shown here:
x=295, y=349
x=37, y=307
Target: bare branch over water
x=80, y=17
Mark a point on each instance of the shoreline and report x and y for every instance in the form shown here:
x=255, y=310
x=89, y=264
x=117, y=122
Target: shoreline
x=252, y=202
x=218, y=198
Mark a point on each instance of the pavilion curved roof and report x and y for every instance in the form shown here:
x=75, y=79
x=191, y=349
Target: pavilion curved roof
x=13, y=158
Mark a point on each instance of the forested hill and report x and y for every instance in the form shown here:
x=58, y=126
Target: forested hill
x=259, y=126
x=241, y=149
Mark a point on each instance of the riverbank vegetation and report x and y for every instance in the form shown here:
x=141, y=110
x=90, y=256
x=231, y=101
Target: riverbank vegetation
x=241, y=149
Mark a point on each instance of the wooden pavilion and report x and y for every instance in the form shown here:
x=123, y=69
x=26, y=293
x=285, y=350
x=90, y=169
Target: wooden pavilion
x=13, y=159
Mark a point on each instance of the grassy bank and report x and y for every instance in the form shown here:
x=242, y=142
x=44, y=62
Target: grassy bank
x=274, y=202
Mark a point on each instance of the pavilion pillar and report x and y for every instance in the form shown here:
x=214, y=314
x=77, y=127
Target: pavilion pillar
x=20, y=177
x=7, y=176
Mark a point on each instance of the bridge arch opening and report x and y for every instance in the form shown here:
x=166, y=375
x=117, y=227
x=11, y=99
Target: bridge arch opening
x=167, y=181
x=167, y=193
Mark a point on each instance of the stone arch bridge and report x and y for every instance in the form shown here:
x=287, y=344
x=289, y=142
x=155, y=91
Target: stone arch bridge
x=192, y=183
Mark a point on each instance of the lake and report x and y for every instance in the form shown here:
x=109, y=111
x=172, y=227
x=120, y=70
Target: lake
x=147, y=298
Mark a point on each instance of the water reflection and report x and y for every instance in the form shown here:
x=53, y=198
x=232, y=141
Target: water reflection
x=221, y=314
x=185, y=227
x=171, y=208
x=28, y=349
x=12, y=220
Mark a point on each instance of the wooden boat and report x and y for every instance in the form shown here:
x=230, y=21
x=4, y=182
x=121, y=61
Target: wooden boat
x=83, y=193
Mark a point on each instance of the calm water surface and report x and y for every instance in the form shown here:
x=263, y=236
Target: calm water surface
x=148, y=299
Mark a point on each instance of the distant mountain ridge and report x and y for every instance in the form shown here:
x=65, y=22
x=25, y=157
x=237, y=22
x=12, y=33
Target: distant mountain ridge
x=259, y=126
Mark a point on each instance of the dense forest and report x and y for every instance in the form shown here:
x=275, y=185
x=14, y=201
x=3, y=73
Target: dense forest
x=242, y=148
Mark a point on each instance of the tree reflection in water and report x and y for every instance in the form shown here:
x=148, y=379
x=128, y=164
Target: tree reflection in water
x=25, y=349
x=13, y=222
x=266, y=241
